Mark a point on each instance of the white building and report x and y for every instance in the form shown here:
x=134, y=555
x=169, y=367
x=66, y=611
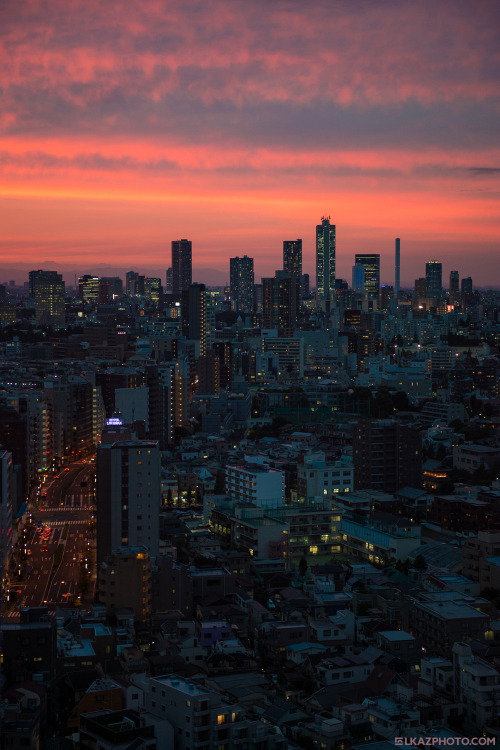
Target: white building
x=317, y=477
x=260, y=485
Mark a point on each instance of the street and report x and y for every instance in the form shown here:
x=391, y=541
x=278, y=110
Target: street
x=55, y=560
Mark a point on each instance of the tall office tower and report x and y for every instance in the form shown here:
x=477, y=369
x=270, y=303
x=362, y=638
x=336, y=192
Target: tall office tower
x=167, y=400
x=433, y=280
x=371, y=264
x=152, y=288
x=292, y=257
x=128, y=496
x=279, y=301
x=325, y=258
x=454, y=283
x=168, y=281
x=358, y=278
x=130, y=282
x=193, y=312
x=110, y=288
x=397, y=269
x=241, y=284
x=134, y=284
x=88, y=288
x=5, y=512
x=387, y=455
x=47, y=290
x=182, y=266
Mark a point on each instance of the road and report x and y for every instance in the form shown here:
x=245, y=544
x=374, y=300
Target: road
x=59, y=543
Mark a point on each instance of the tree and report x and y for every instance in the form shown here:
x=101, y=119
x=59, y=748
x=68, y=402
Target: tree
x=420, y=563
x=302, y=567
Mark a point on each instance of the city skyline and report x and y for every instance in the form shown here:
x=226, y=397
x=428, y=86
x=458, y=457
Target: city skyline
x=240, y=131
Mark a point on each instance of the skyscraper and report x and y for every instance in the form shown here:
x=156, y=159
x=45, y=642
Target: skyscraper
x=47, y=290
x=241, y=283
x=397, y=269
x=371, y=264
x=182, y=268
x=292, y=257
x=358, y=278
x=454, y=282
x=279, y=300
x=88, y=288
x=433, y=279
x=325, y=258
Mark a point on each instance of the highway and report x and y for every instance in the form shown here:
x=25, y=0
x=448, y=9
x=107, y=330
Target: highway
x=59, y=543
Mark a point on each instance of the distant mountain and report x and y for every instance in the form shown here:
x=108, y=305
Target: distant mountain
x=19, y=272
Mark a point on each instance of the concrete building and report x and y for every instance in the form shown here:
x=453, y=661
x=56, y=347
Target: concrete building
x=252, y=483
x=124, y=580
x=128, y=496
x=387, y=455
x=319, y=478
x=440, y=621
x=203, y=719
x=47, y=291
x=379, y=537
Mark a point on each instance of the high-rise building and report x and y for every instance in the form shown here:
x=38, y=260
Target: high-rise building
x=182, y=266
x=47, y=290
x=193, y=312
x=397, y=269
x=454, y=283
x=371, y=264
x=358, y=278
x=110, y=287
x=433, y=279
x=466, y=287
x=208, y=369
x=134, y=284
x=292, y=257
x=152, y=288
x=241, y=280
x=387, y=456
x=279, y=300
x=167, y=400
x=128, y=496
x=325, y=258
x=168, y=281
x=88, y=288
x=420, y=292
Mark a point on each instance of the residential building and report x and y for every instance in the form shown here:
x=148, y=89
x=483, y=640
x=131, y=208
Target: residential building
x=241, y=282
x=182, y=270
x=128, y=496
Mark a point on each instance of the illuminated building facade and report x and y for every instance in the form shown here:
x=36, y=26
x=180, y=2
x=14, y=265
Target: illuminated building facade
x=325, y=258
x=47, y=290
x=371, y=265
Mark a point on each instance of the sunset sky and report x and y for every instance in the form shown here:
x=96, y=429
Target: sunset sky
x=240, y=123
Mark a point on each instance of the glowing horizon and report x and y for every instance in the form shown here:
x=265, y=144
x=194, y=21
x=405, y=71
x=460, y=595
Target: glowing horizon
x=240, y=124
